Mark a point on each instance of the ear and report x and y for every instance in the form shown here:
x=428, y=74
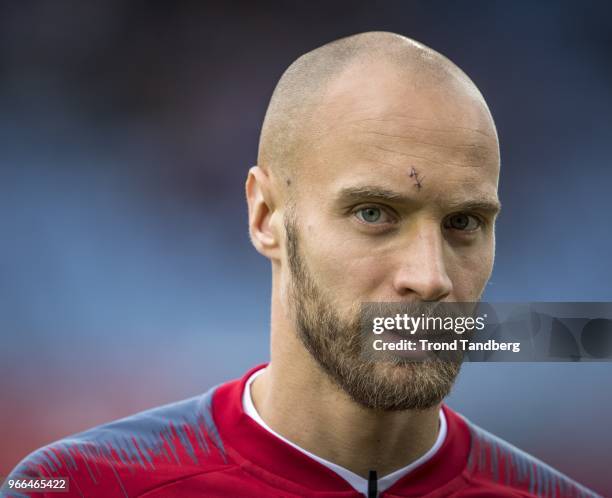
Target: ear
x=263, y=215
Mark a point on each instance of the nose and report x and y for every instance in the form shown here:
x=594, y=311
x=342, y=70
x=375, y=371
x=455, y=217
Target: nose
x=423, y=271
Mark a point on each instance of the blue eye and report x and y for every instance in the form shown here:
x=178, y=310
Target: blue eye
x=369, y=214
x=463, y=222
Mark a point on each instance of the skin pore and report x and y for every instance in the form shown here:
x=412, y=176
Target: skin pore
x=390, y=195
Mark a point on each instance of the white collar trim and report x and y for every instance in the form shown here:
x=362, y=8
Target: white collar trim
x=356, y=481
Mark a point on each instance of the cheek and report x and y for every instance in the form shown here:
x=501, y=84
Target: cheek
x=470, y=271
x=343, y=268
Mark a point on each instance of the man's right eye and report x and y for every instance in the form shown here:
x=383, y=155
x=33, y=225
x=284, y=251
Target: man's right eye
x=369, y=215
x=373, y=215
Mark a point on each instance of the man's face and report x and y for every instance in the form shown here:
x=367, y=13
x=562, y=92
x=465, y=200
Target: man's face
x=396, y=202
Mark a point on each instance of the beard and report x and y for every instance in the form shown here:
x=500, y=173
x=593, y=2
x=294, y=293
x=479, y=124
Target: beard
x=336, y=343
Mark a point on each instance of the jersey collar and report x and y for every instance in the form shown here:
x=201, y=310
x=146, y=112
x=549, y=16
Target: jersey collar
x=272, y=459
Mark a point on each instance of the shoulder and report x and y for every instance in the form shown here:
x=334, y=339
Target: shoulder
x=131, y=455
x=496, y=463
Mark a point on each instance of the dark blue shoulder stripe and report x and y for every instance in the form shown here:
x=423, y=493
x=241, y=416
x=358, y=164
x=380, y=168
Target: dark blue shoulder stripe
x=139, y=440
x=209, y=422
x=495, y=457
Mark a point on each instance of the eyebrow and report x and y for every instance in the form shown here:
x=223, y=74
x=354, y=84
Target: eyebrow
x=382, y=194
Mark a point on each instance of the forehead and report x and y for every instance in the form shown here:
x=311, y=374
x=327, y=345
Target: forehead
x=387, y=129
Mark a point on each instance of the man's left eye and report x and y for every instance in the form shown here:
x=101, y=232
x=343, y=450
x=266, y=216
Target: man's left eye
x=463, y=222
x=372, y=215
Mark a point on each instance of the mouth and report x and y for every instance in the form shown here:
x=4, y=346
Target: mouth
x=420, y=346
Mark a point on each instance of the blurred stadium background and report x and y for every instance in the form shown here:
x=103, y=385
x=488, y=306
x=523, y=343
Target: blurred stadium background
x=126, y=129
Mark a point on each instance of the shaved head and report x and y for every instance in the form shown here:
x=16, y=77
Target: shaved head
x=291, y=128
x=376, y=182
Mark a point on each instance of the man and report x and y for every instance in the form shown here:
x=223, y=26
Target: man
x=376, y=182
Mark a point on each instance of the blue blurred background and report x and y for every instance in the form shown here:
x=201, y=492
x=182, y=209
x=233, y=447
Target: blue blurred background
x=127, y=278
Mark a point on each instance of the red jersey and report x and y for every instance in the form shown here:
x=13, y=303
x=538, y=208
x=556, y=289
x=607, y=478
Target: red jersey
x=208, y=447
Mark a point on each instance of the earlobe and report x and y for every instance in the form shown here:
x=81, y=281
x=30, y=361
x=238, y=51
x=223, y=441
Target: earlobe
x=262, y=211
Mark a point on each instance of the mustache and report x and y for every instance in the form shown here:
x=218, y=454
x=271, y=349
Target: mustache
x=423, y=309
x=438, y=321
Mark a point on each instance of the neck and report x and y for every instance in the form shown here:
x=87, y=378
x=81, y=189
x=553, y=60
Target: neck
x=298, y=400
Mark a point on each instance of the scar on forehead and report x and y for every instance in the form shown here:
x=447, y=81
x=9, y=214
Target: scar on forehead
x=418, y=180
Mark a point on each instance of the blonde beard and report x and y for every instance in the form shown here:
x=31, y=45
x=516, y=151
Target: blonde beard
x=335, y=343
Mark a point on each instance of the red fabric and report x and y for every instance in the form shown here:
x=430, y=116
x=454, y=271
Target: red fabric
x=208, y=447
